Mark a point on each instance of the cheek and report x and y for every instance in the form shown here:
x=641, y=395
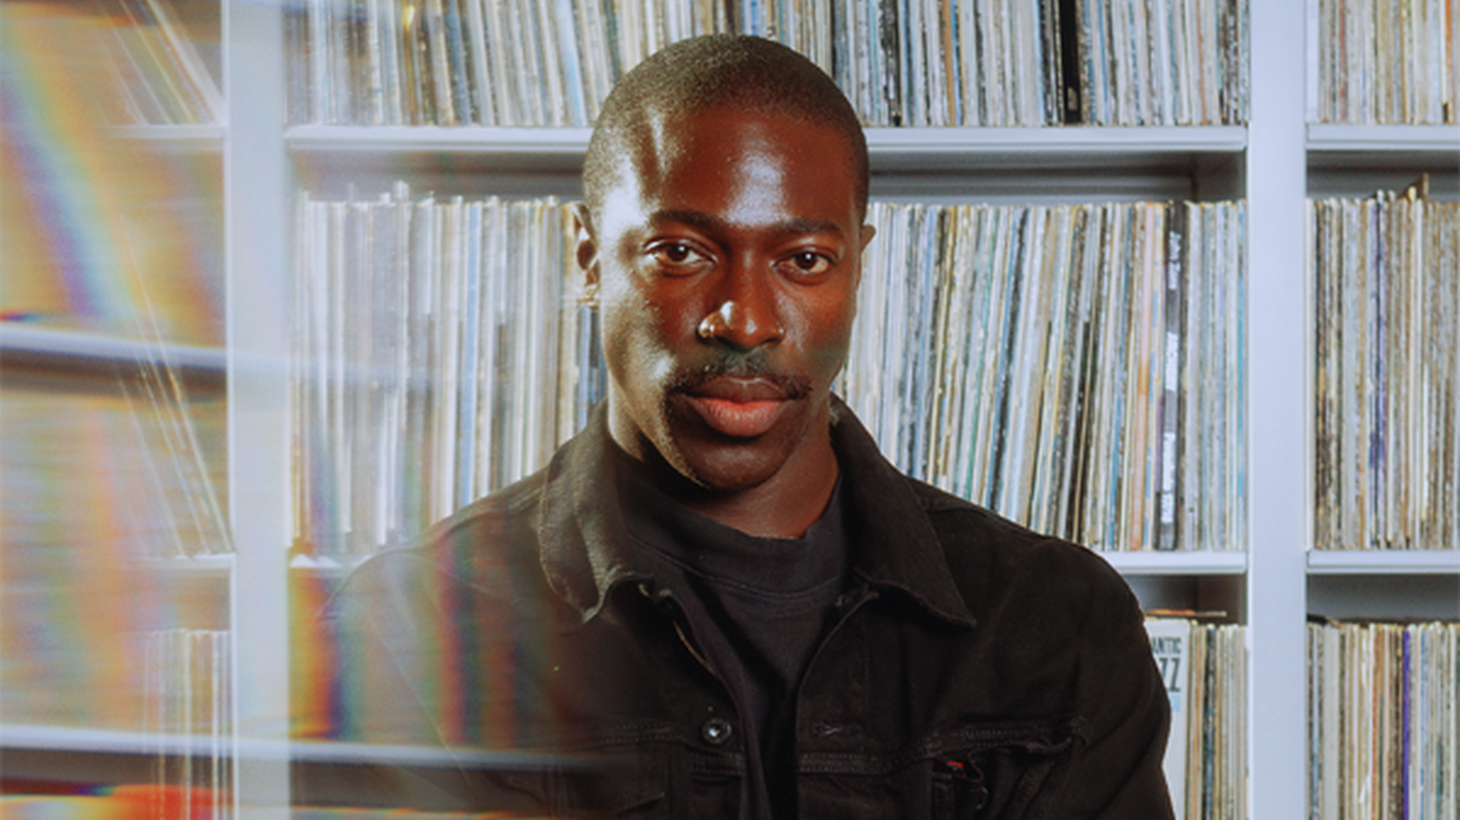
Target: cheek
x=634, y=345
x=660, y=314
x=827, y=327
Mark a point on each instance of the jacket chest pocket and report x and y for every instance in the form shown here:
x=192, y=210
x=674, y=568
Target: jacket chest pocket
x=1000, y=771
x=619, y=784
x=661, y=780
x=959, y=789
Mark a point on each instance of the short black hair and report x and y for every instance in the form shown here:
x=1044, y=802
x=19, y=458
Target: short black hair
x=737, y=71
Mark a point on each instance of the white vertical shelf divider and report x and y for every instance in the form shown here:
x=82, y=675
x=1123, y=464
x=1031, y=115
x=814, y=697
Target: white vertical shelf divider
x=1277, y=398
x=256, y=184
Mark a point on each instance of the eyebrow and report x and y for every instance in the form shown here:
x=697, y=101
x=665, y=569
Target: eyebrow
x=705, y=222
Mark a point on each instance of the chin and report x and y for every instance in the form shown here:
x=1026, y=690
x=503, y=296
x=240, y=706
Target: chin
x=729, y=468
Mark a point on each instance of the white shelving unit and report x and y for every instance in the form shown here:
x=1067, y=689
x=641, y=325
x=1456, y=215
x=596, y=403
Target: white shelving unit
x=1018, y=165
x=957, y=164
x=1275, y=163
x=109, y=593
x=1355, y=161
x=258, y=196
x=1396, y=585
x=1276, y=417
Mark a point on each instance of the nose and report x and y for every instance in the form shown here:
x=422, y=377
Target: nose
x=745, y=315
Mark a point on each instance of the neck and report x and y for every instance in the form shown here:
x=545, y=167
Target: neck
x=774, y=509
x=783, y=506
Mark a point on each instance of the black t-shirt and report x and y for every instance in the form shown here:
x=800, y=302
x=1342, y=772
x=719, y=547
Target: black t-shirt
x=757, y=608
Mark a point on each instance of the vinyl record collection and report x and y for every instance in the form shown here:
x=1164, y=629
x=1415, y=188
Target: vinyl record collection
x=1204, y=667
x=1078, y=368
x=188, y=720
x=901, y=62
x=440, y=352
x=110, y=493
x=146, y=463
x=1384, y=61
x=161, y=78
x=1386, y=301
x=1075, y=367
x=104, y=232
x=1383, y=721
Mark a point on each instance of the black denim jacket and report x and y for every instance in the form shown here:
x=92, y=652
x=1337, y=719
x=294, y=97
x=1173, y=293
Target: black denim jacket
x=516, y=661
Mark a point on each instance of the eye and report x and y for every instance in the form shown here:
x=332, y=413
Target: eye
x=677, y=256
x=806, y=263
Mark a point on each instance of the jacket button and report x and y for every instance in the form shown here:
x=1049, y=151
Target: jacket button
x=716, y=731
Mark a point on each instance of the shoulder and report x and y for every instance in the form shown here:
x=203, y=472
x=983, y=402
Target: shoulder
x=491, y=525
x=998, y=563
x=486, y=546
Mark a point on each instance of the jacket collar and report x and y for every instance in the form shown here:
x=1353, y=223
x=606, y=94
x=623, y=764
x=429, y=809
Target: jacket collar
x=583, y=540
x=585, y=546
x=895, y=545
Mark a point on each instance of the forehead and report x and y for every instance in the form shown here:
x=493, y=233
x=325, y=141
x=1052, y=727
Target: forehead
x=736, y=163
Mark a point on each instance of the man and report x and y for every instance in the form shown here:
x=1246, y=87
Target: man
x=720, y=600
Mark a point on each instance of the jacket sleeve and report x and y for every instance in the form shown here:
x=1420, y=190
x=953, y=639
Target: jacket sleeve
x=380, y=722
x=1116, y=771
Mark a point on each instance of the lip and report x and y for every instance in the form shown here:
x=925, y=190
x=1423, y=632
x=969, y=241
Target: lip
x=739, y=408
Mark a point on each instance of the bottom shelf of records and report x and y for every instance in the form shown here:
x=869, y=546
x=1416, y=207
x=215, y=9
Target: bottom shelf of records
x=177, y=761
x=1204, y=666
x=1383, y=720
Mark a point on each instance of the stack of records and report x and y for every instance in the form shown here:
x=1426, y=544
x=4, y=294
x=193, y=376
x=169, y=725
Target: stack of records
x=1384, y=61
x=1078, y=368
x=440, y=352
x=188, y=719
x=1204, y=667
x=161, y=77
x=900, y=62
x=1386, y=297
x=1383, y=720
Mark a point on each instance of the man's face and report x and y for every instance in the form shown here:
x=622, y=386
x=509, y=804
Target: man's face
x=726, y=259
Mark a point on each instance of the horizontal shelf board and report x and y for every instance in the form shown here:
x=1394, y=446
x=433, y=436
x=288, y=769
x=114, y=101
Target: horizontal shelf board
x=88, y=346
x=1382, y=562
x=111, y=741
x=1072, y=141
x=66, y=738
x=891, y=149
x=203, y=565
x=201, y=137
x=1323, y=137
x=1357, y=160
x=323, y=751
x=1127, y=563
x=466, y=148
x=1177, y=563
x=327, y=566
x=434, y=138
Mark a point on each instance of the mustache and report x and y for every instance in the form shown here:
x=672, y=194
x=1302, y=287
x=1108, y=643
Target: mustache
x=732, y=364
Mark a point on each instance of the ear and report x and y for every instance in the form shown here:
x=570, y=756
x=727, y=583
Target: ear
x=864, y=238
x=866, y=235
x=587, y=251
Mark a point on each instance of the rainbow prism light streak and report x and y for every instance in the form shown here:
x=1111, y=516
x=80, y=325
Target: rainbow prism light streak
x=117, y=234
